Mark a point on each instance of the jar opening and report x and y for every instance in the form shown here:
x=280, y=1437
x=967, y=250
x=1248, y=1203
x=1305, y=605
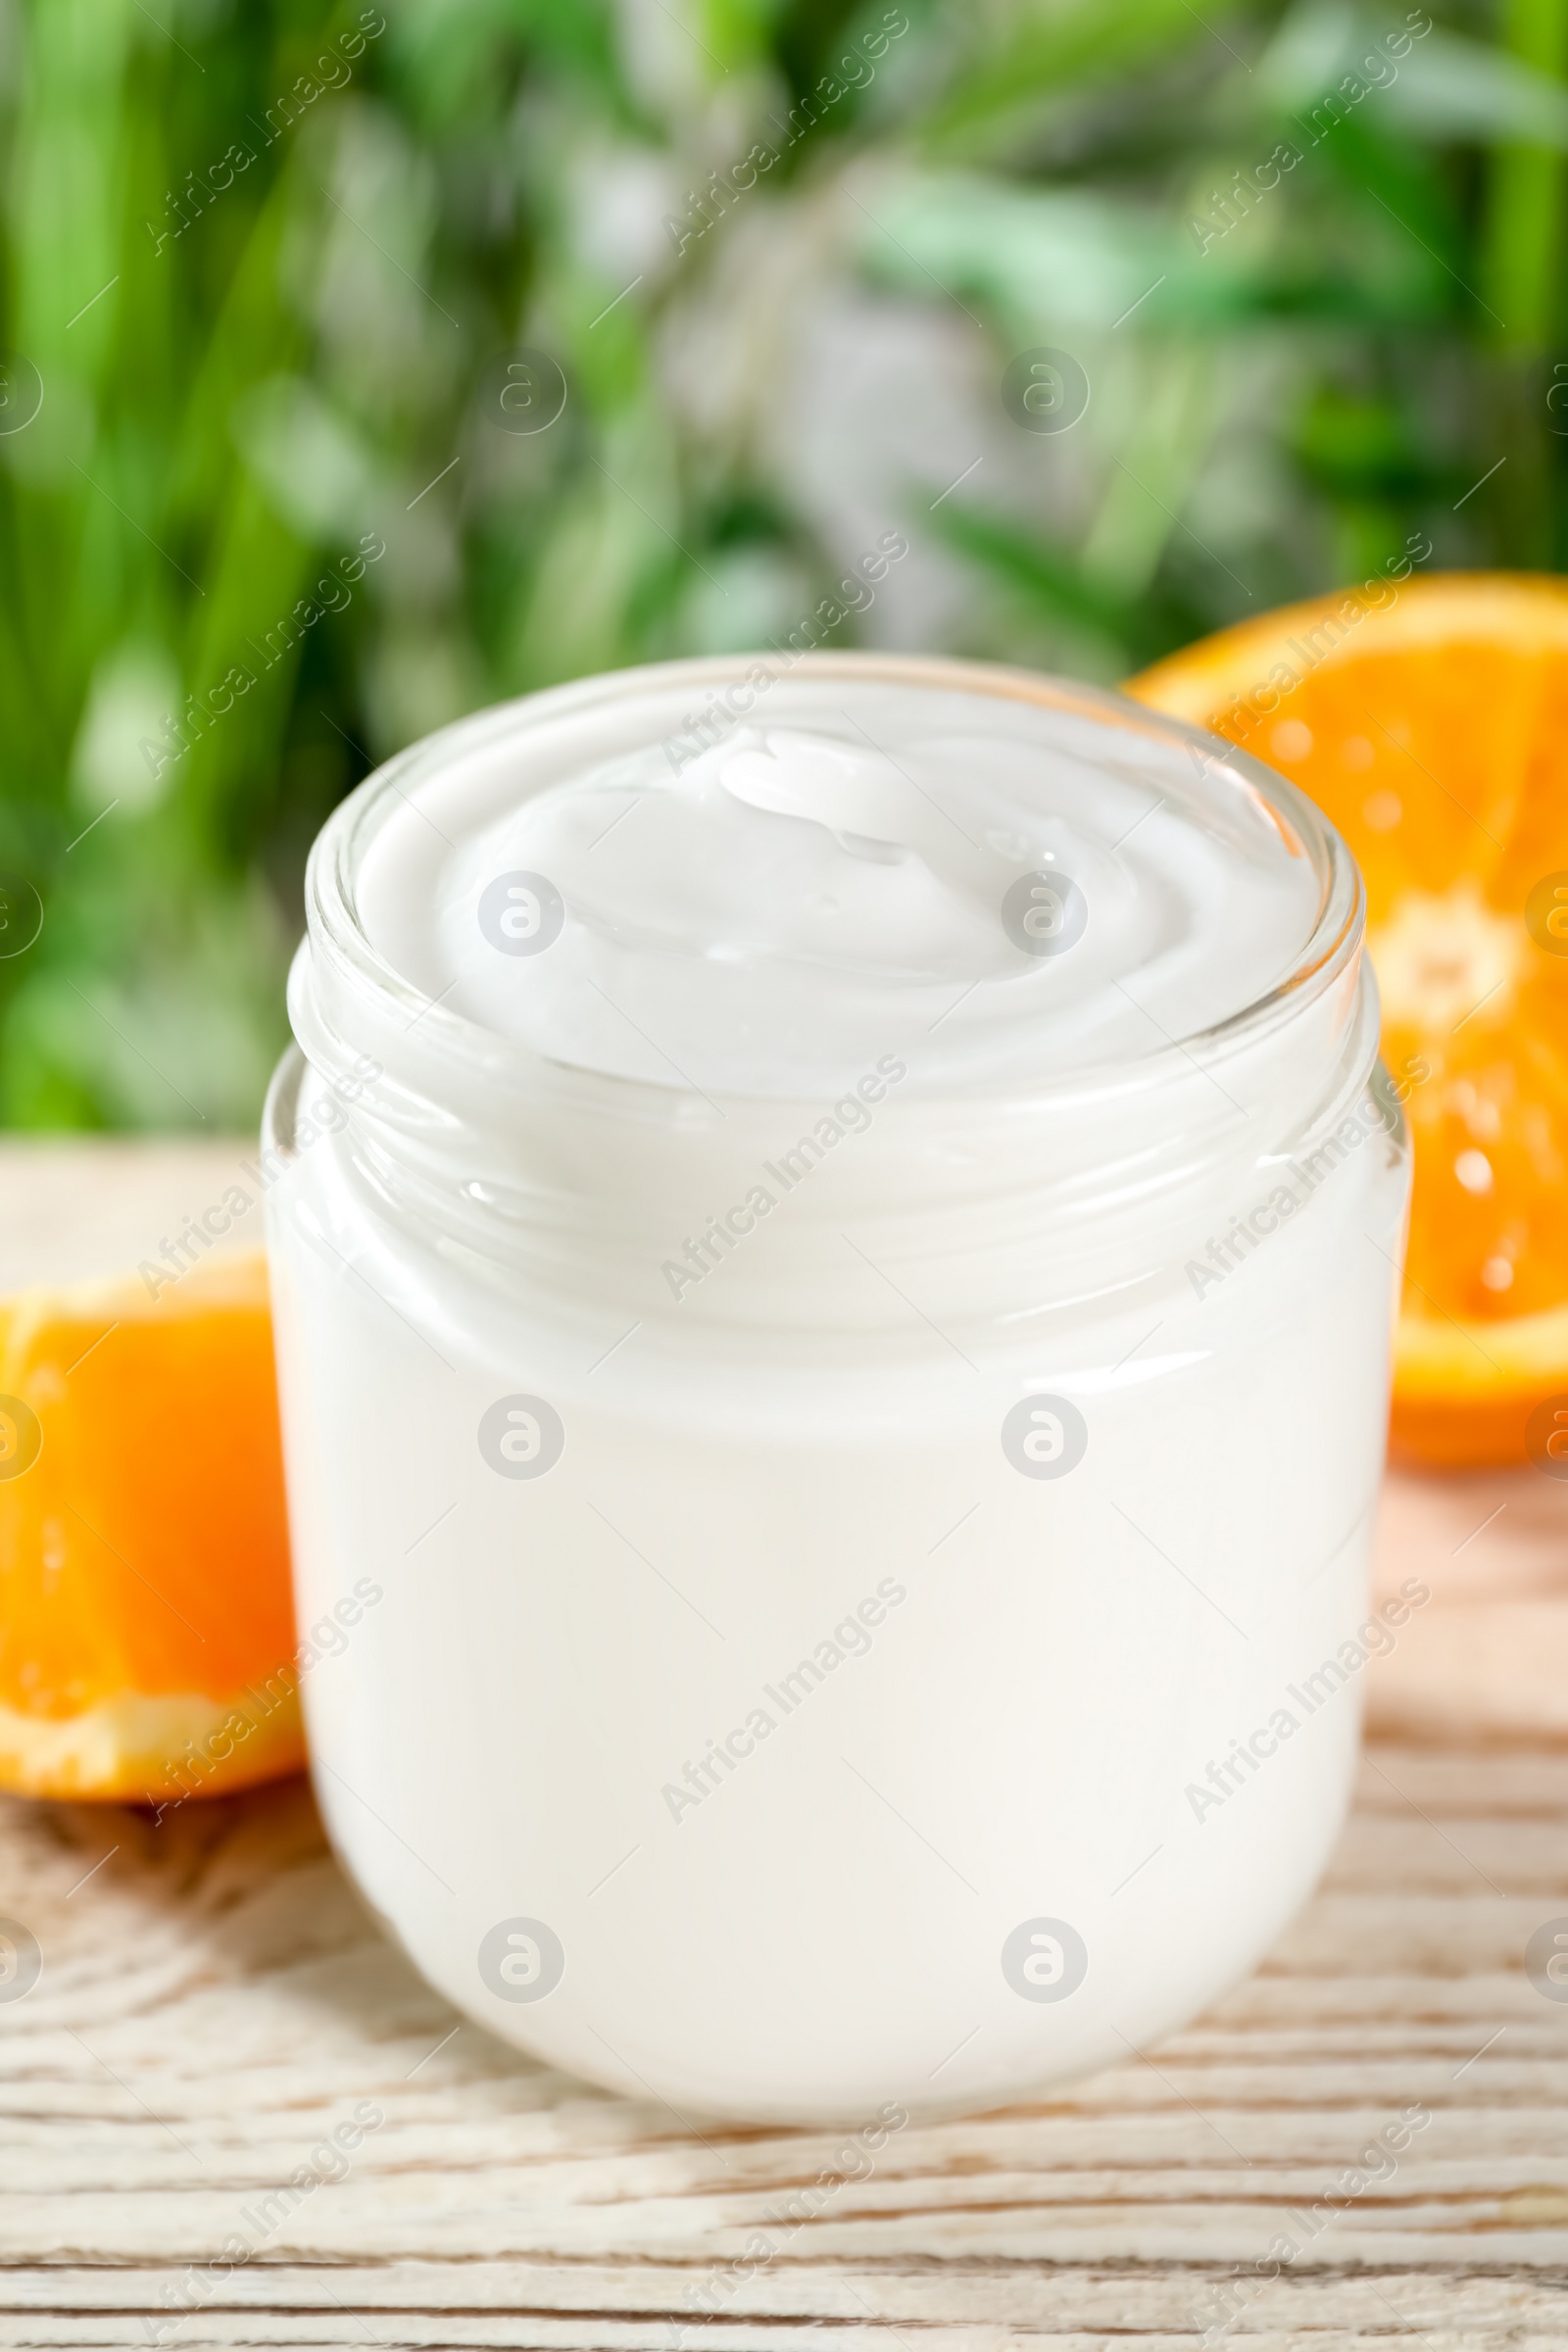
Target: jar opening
x=1069, y=1181
x=361, y=965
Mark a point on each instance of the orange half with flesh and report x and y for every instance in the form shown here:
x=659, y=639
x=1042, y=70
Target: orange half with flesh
x=147, y=1640
x=1428, y=719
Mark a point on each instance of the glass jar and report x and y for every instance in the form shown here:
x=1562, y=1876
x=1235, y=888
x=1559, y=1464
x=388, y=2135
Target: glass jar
x=890, y=1645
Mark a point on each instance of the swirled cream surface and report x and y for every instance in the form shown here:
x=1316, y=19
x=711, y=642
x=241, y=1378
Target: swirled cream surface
x=764, y=902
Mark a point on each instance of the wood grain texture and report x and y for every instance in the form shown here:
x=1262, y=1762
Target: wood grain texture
x=214, y=2002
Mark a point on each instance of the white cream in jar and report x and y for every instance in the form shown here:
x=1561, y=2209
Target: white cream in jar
x=848, y=1316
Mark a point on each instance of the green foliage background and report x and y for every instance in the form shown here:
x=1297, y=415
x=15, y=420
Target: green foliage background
x=227, y=410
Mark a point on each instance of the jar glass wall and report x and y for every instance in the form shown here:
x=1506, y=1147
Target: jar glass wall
x=849, y=1585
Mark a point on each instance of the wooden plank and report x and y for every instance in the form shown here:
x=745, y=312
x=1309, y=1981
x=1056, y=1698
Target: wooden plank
x=215, y=2000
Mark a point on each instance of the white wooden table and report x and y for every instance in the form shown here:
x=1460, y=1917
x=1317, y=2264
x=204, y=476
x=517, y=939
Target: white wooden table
x=214, y=2003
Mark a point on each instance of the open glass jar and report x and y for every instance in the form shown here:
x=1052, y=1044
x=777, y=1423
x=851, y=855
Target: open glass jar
x=834, y=1360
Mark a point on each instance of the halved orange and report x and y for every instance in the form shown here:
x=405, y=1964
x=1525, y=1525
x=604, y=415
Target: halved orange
x=1429, y=718
x=147, y=1647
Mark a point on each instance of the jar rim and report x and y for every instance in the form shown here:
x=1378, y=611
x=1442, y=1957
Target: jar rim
x=335, y=928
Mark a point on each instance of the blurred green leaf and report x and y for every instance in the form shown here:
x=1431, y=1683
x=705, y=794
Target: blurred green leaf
x=264, y=262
